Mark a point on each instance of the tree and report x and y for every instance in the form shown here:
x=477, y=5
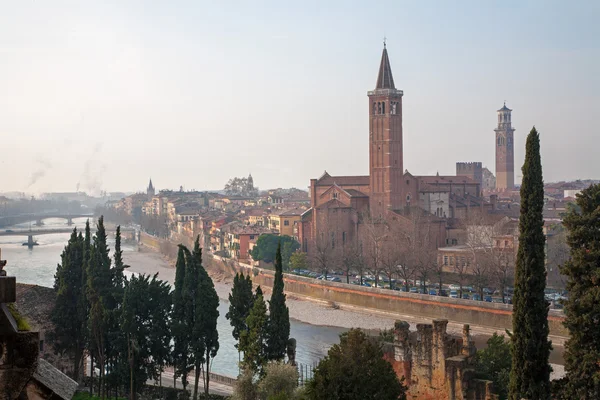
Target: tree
x=530, y=373
x=355, y=369
x=144, y=322
x=179, y=326
x=207, y=314
x=582, y=308
x=298, y=261
x=266, y=248
x=69, y=322
x=493, y=363
x=100, y=298
x=280, y=380
x=253, y=341
x=278, y=332
x=241, y=300
x=352, y=261
x=376, y=231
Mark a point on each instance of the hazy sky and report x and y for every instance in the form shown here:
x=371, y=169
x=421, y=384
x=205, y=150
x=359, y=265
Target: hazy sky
x=109, y=93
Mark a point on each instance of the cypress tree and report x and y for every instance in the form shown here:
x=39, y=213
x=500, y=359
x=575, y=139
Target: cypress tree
x=278, y=333
x=253, y=341
x=181, y=334
x=241, y=300
x=69, y=322
x=582, y=309
x=530, y=373
x=207, y=314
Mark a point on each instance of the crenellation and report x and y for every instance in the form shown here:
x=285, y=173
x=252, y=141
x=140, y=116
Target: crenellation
x=435, y=364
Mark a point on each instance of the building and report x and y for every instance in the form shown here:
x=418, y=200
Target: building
x=150, y=191
x=283, y=221
x=488, y=180
x=472, y=170
x=505, y=156
x=340, y=205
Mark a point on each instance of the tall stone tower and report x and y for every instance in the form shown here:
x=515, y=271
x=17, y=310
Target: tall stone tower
x=505, y=155
x=385, y=141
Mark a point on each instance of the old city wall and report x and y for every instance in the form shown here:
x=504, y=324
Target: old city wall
x=493, y=315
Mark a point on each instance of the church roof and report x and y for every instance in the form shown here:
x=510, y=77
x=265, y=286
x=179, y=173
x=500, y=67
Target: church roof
x=150, y=187
x=385, y=80
x=327, y=180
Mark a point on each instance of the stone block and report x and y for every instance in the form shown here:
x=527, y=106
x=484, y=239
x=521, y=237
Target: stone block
x=8, y=289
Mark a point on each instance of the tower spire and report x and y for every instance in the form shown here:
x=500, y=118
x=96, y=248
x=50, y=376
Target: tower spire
x=385, y=80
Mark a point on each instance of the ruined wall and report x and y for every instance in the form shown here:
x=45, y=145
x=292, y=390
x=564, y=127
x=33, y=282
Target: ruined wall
x=435, y=365
x=494, y=315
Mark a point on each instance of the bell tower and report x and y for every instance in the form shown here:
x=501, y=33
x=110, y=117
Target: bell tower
x=385, y=141
x=505, y=156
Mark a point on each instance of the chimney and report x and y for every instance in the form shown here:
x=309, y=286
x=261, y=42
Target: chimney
x=313, y=192
x=494, y=201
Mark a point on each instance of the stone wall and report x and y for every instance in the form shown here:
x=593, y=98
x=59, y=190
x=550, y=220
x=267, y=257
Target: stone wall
x=493, y=315
x=435, y=365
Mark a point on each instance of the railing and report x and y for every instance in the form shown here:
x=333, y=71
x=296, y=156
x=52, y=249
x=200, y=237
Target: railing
x=305, y=372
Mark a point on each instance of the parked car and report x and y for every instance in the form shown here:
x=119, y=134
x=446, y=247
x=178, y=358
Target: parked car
x=488, y=299
x=476, y=297
x=465, y=296
x=454, y=294
x=366, y=284
x=334, y=279
x=432, y=292
x=443, y=293
x=413, y=290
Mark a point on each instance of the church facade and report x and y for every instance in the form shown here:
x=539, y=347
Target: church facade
x=340, y=205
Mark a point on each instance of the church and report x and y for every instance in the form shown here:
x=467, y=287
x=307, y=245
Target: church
x=340, y=204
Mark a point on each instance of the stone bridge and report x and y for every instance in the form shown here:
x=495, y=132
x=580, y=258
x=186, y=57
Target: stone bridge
x=39, y=218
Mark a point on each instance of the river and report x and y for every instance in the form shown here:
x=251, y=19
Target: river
x=38, y=265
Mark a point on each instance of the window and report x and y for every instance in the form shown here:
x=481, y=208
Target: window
x=454, y=241
x=335, y=195
x=463, y=261
x=251, y=237
x=451, y=260
x=506, y=243
x=374, y=108
x=332, y=240
x=445, y=260
x=383, y=108
x=286, y=222
x=343, y=237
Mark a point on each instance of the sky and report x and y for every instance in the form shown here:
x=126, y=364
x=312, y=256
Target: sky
x=104, y=95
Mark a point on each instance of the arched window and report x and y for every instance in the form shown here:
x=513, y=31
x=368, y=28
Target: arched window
x=383, y=107
x=374, y=108
x=378, y=108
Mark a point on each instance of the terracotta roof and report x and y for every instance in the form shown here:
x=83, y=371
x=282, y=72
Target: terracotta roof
x=385, y=80
x=327, y=180
x=433, y=179
x=355, y=193
x=291, y=212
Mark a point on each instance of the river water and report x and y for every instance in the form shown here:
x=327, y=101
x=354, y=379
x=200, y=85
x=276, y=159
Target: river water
x=38, y=265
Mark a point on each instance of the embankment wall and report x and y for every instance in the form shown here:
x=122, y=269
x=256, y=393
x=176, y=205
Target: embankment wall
x=493, y=315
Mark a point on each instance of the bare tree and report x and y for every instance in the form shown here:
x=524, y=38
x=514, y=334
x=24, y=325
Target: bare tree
x=375, y=231
x=491, y=247
x=352, y=261
x=325, y=256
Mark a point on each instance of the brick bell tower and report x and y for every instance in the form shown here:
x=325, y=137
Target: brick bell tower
x=505, y=155
x=385, y=141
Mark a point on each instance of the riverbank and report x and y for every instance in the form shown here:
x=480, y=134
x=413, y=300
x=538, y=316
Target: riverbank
x=148, y=261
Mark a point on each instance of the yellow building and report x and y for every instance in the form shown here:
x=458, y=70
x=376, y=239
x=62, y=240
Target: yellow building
x=283, y=221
